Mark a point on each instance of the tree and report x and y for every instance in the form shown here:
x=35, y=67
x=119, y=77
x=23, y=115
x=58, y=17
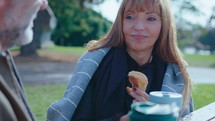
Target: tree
x=186, y=30
x=72, y=25
x=76, y=25
x=208, y=39
x=90, y=25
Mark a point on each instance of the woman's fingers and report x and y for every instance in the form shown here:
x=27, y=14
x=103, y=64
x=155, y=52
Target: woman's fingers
x=141, y=93
x=135, y=101
x=139, y=96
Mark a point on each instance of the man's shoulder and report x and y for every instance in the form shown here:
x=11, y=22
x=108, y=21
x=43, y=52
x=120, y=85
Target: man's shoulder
x=6, y=112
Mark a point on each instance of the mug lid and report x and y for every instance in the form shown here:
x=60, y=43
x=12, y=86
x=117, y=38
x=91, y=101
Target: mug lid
x=164, y=94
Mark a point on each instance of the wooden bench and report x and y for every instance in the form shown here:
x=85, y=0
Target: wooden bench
x=206, y=113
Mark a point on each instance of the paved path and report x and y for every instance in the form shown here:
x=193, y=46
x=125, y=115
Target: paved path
x=60, y=72
x=45, y=73
x=202, y=75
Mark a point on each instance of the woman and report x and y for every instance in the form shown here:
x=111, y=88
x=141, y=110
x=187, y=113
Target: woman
x=142, y=38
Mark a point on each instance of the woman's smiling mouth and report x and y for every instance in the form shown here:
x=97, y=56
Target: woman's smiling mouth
x=139, y=37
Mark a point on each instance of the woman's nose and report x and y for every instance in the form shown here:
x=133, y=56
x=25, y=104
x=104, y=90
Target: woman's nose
x=44, y=4
x=139, y=25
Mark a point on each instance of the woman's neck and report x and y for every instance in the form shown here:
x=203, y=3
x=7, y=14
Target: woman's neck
x=141, y=57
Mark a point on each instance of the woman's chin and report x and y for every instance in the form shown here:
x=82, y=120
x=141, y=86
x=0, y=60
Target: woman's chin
x=137, y=48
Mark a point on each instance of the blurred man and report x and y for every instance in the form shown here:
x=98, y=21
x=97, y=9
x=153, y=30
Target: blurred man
x=16, y=22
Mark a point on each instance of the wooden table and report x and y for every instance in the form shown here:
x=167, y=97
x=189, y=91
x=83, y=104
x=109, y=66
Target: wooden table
x=206, y=113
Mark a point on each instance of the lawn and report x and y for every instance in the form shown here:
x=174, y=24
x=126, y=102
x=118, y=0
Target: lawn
x=192, y=59
x=62, y=49
x=200, y=60
x=40, y=97
x=203, y=94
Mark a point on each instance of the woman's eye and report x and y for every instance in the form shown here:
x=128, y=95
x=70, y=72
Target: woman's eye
x=129, y=17
x=151, y=19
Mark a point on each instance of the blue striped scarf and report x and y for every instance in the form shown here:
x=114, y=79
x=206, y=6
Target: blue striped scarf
x=63, y=109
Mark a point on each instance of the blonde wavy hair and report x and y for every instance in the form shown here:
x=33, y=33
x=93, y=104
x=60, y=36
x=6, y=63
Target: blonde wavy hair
x=166, y=48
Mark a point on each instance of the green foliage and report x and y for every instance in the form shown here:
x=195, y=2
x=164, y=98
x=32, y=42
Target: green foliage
x=187, y=37
x=186, y=30
x=76, y=25
x=184, y=37
x=208, y=39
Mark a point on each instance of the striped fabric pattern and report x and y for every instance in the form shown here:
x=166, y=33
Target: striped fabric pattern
x=63, y=109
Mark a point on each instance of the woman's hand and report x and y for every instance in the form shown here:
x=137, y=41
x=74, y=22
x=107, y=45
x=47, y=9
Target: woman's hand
x=124, y=118
x=139, y=95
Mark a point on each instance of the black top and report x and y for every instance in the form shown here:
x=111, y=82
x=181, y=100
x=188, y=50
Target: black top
x=106, y=98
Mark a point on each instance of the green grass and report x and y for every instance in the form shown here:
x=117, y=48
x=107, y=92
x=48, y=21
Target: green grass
x=200, y=60
x=203, y=94
x=40, y=97
x=15, y=48
x=62, y=49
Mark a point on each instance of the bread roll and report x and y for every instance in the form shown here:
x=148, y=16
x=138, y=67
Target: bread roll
x=138, y=80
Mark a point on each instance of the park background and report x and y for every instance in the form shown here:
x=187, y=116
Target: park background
x=60, y=33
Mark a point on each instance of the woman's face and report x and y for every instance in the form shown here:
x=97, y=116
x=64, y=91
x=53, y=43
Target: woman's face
x=141, y=30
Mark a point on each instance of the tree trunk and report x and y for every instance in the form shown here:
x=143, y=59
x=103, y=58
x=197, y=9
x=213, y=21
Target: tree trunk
x=41, y=24
x=30, y=49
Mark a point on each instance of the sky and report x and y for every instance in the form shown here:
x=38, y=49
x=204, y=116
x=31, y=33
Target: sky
x=110, y=7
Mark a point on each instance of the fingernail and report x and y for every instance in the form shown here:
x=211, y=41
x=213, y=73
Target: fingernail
x=134, y=88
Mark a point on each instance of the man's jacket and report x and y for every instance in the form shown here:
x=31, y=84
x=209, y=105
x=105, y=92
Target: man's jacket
x=13, y=104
